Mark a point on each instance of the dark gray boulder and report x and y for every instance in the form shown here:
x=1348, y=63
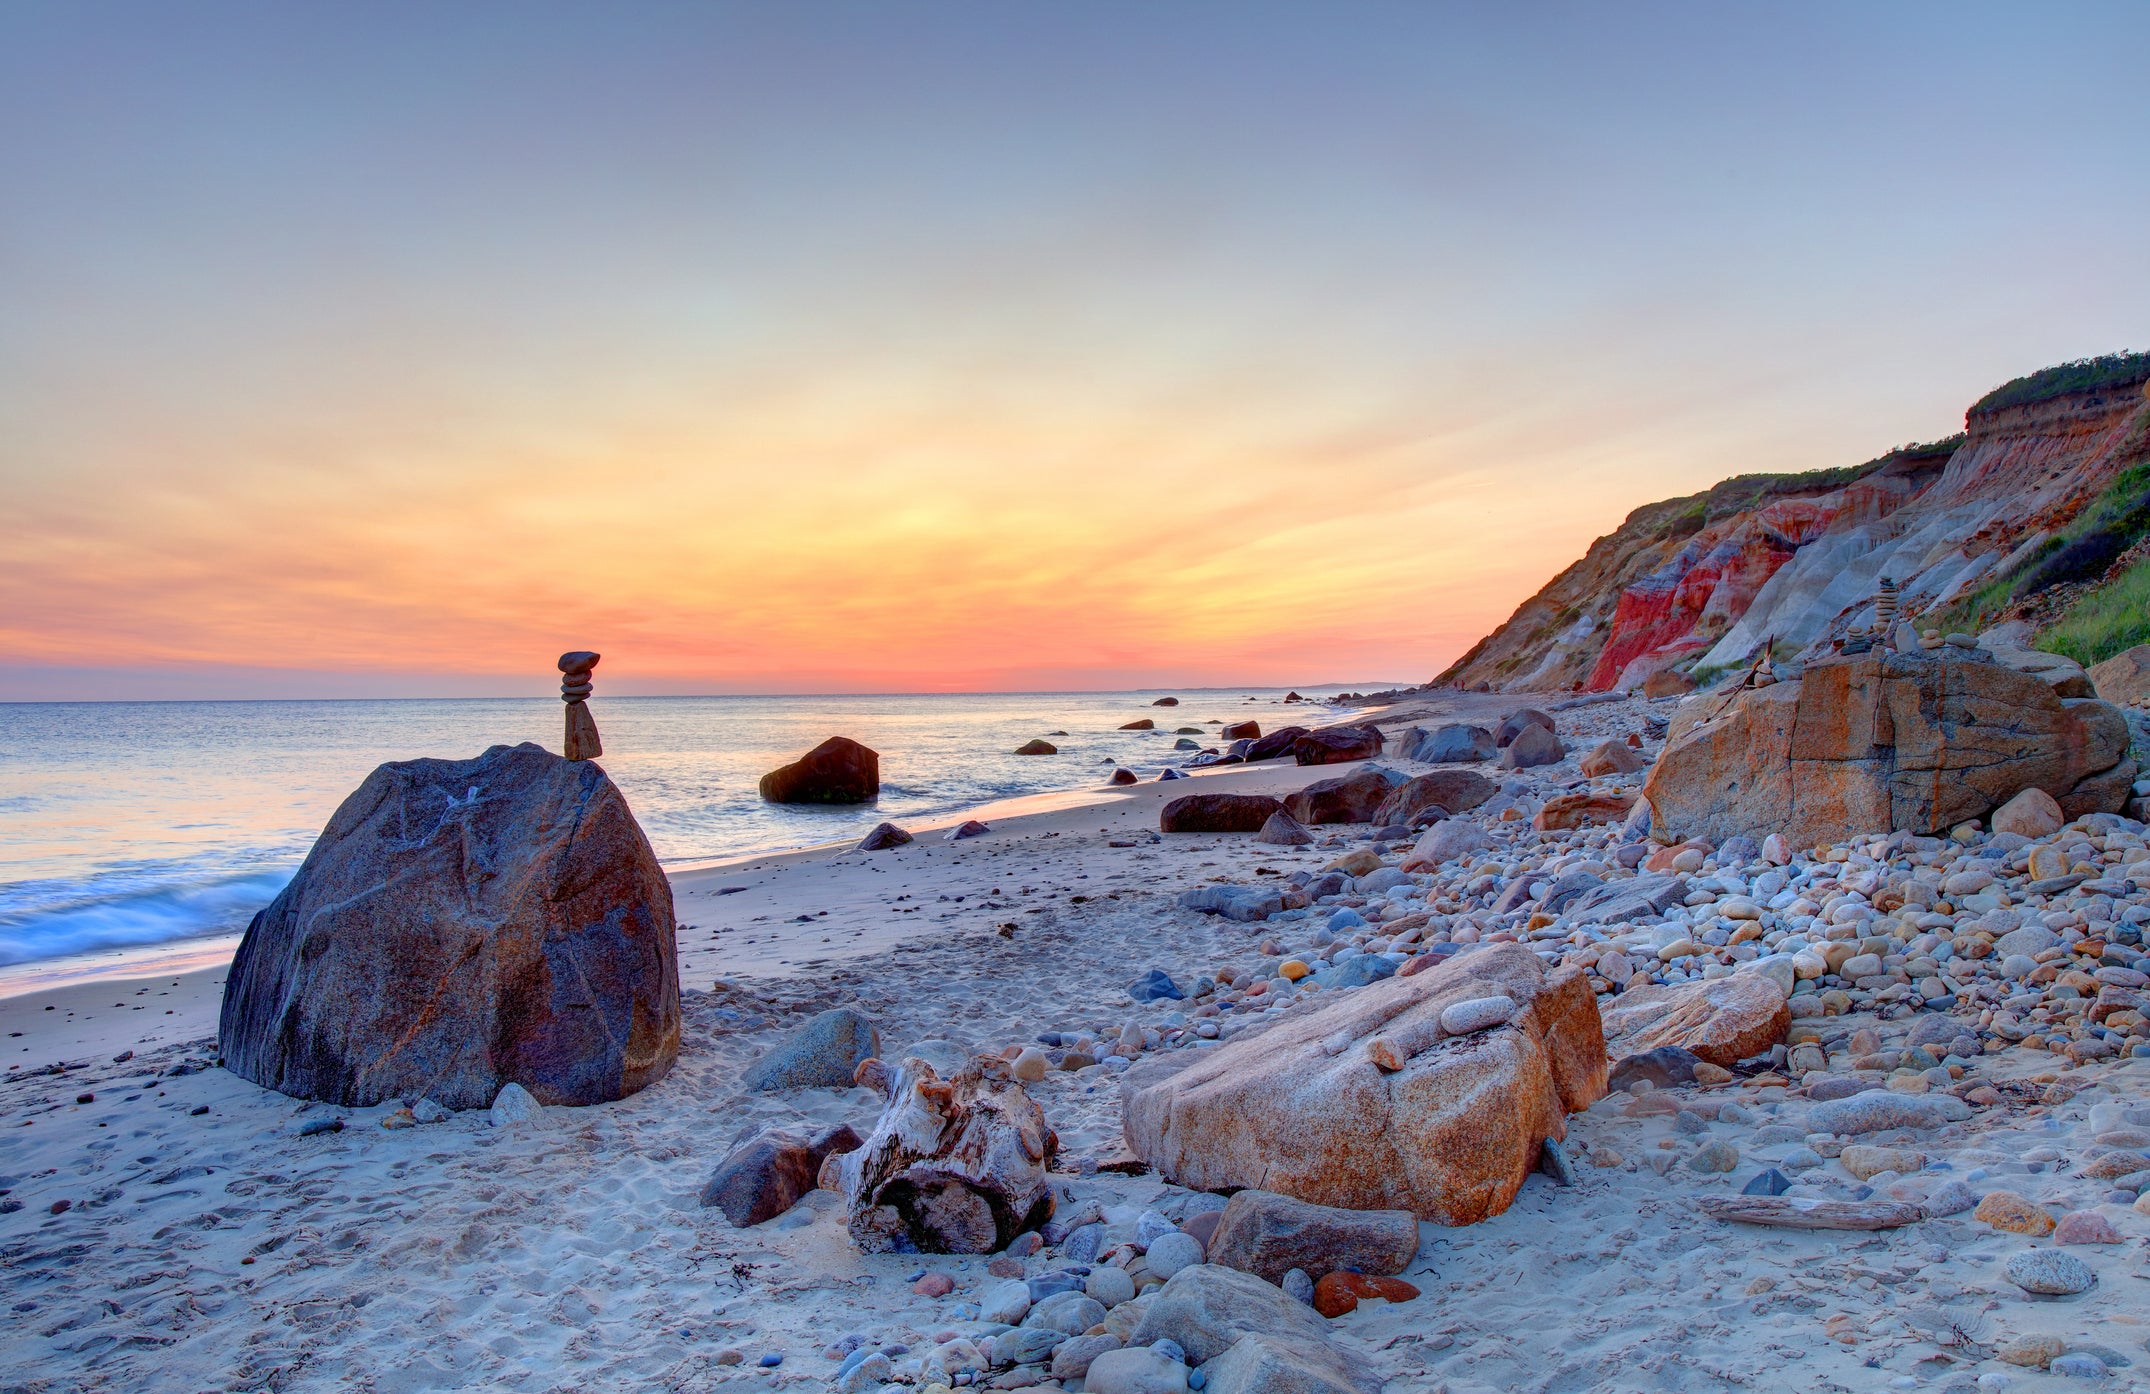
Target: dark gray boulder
x=825, y=1053
x=459, y=926
x=1452, y=744
x=839, y=770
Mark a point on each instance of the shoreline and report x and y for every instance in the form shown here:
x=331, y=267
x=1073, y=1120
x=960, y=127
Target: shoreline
x=133, y=963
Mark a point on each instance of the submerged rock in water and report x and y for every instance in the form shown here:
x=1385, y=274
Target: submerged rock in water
x=462, y=925
x=839, y=770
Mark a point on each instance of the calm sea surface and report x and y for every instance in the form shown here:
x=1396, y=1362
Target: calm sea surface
x=137, y=823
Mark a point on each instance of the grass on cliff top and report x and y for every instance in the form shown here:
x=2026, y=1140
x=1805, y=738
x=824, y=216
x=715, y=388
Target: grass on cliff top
x=2111, y=619
x=1686, y=516
x=2107, y=370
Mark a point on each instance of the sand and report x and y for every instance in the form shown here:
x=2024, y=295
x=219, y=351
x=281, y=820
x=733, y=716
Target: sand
x=206, y=1243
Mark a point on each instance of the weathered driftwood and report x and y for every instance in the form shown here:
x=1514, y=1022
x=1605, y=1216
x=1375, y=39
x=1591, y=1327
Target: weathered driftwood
x=1788, y=1213
x=954, y=1166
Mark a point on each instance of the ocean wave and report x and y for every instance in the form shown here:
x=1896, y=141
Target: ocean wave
x=149, y=915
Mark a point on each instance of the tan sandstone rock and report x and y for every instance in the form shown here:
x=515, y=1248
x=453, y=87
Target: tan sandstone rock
x=1612, y=757
x=1881, y=741
x=2125, y=677
x=1721, y=1020
x=2032, y=813
x=1306, y=1110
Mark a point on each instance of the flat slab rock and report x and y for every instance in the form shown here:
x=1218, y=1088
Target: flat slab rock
x=1306, y=1110
x=1883, y=741
x=1721, y=1020
x=459, y=926
x=1268, y=1235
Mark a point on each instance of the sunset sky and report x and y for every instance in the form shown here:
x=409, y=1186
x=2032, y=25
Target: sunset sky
x=380, y=349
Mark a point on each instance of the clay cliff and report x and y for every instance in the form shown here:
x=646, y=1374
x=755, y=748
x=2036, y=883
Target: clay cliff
x=1700, y=584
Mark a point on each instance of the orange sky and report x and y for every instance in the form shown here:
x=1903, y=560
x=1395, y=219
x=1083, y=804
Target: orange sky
x=1016, y=352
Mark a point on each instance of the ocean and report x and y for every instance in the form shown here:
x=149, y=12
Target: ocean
x=146, y=834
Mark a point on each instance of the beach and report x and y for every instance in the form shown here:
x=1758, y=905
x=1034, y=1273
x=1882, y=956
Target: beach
x=174, y=1227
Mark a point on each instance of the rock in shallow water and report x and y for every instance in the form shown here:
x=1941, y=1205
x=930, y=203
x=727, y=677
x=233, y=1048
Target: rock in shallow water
x=460, y=925
x=837, y=771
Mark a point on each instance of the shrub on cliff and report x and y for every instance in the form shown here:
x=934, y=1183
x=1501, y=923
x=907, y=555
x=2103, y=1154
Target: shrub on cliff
x=2107, y=370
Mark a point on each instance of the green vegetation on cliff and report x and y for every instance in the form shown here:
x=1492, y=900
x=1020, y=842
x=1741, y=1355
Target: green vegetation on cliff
x=2107, y=370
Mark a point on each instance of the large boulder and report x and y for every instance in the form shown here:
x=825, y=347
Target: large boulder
x=765, y=1175
x=1335, y=745
x=1268, y=1235
x=1611, y=756
x=1206, y=1309
x=1882, y=742
x=1350, y=799
x=1517, y=723
x=1216, y=813
x=1457, y=791
x=1276, y=743
x=823, y=1054
x=1721, y=1020
x=459, y=926
x=1533, y=745
x=1445, y=842
x=1373, y=1103
x=1262, y=1364
x=1242, y=731
x=2123, y=679
x=839, y=770
x=1451, y=744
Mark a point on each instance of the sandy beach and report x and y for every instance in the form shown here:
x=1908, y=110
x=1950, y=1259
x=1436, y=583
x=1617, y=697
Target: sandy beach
x=169, y=1226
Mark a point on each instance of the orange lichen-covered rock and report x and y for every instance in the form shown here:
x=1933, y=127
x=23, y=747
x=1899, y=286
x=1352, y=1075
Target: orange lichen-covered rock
x=1883, y=741
x=1339, y=1293
x=1575, y=810
x=2009, y=1211
x=1306, y=1110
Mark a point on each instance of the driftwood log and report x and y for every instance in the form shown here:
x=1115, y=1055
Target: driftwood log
x=1787, y=1213
x=953, y=1166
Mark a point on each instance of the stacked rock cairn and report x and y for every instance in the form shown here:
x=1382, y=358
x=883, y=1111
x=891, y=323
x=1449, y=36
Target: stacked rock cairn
x=582, y=742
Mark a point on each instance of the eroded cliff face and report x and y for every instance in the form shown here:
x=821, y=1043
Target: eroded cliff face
x=1705, y=582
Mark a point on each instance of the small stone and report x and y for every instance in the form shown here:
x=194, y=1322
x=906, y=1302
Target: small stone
x=2049, y=1272
x=2078, y=1367
x=319, y=1126
x=2084, y=1227
x=1109, y=1286
x=1007, y=1304
x=1867, y=1162
x=1554, y=1163
x=1342, y=1292
x=1770, y=1183
x=1169, y=1253
x=1137, y=1371
x=2032, y=813
x=1030, y=1066
x=2029, y=1352
x=2005, y=1210
x=1716, y=1156
x=1071, y=1359
x=426, y=1111
x=1298, y=1285
x=1951, y=1198
x=1477, y=1014
x=934, y=1285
